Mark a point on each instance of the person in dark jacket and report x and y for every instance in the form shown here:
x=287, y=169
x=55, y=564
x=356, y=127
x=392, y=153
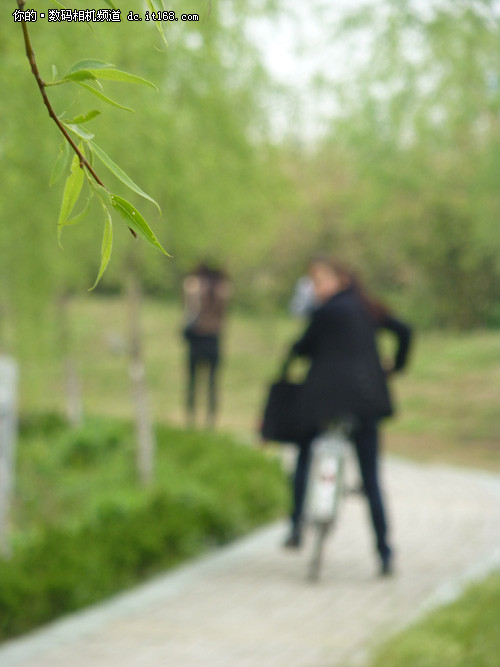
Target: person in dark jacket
x=206, y=294
x=346, y=380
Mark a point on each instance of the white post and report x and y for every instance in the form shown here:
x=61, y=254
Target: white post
x=8, y=434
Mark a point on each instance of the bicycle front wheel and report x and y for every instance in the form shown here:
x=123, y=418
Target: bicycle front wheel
x=321, y=530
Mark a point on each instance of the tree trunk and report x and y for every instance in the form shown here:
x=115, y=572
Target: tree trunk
x=8, y=434
x=144, y=429
x=73, y=393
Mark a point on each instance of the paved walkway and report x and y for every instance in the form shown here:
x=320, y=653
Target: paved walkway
x=250, y=604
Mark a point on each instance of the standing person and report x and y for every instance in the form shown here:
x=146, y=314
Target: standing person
x=346, y=380
x=206, y=294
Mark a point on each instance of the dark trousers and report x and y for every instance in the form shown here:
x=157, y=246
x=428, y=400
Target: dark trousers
x=365, y=440
x=203, y=354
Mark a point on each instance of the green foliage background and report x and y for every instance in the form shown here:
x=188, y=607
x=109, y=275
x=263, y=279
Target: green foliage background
x=413, y=157
x=403, y=184
x=198, y=146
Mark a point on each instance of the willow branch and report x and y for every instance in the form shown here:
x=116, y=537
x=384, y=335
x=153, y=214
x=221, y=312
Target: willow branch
x=84, y=163
x=41, y=85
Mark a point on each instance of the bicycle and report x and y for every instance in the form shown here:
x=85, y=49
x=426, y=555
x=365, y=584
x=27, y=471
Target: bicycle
x=325, y=488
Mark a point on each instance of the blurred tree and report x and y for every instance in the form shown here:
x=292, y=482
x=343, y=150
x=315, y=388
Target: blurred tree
x=410, y=171
x=205, y=144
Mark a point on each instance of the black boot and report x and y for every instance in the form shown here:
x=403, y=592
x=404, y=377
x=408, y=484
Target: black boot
x=386, y=566
x=294, y=539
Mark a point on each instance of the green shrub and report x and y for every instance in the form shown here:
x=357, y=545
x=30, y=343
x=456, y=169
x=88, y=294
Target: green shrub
x=90, y=443
x=43, y=423
x=106, y=533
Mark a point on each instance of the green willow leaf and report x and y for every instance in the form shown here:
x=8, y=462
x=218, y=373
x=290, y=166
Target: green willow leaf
x=61, y=163
x=80, y=131
x=72, y=190
x=119, y=173
x=81, y=75
x=112, y=74
x=135, y=221
x=103, y=97
x=158, y=24
x=110, y=4
x=160, y=5
x=58, y=4
x=84, y=118
x=106, y=246
x=159, y=27
x=80, y=216
x=89, y=64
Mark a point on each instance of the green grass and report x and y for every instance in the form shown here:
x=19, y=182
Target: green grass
x=253, y=347
x=448, y=399
x=462, y=634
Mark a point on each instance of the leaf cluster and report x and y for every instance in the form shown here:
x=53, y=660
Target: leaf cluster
x=88, y=150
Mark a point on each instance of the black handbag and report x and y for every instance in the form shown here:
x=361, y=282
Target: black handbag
x=282, y=419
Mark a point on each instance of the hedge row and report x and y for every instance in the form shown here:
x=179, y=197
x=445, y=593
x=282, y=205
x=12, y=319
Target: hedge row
x=227, y=490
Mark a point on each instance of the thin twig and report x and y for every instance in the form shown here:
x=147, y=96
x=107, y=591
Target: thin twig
x=41, y=85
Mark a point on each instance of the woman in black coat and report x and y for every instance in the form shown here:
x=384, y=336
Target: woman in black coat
x=346, y=380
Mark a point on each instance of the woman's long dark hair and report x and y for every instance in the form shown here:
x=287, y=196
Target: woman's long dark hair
x=377, y=310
